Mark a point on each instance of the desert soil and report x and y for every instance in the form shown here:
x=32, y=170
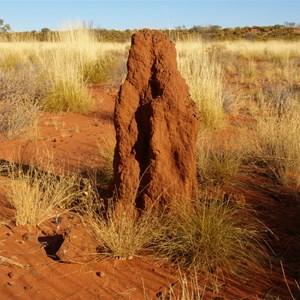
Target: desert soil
x=28, y=269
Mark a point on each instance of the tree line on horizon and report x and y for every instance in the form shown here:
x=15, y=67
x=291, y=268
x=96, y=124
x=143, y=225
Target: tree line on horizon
x=288, y=31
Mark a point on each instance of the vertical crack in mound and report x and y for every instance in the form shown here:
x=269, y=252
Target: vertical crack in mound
x=155, y=84
x=142, y=149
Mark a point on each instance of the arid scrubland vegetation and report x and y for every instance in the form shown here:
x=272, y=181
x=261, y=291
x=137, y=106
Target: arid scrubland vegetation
x=248, y=94
x=258, y=81
x=289, y=31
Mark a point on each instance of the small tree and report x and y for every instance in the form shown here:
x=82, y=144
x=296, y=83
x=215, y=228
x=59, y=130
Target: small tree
x=45, y=30
x=4, y=27
x=290, y=24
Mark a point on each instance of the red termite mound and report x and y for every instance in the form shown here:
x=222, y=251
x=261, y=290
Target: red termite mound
x=156, y=125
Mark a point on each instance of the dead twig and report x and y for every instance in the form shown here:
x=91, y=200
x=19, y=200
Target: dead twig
x=9, y=261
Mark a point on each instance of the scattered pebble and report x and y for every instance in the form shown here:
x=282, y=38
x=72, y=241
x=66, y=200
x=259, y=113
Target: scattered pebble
x=29, y=236
x=34, y=272
x=100, y=274
x=12, y=275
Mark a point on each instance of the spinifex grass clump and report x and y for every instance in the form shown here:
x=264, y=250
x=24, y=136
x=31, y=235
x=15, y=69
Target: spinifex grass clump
x=211, y=234
x=125, y=233
x=110, y=67
x=39, y=195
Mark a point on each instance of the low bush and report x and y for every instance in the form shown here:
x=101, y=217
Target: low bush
x=20, y=96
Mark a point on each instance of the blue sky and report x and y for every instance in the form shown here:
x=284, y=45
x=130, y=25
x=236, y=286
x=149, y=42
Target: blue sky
x=25, y=15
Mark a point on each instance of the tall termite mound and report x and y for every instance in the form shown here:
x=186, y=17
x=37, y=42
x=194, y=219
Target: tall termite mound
x=156, y=125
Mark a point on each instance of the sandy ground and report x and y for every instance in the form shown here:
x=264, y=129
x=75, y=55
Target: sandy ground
x=28, y=269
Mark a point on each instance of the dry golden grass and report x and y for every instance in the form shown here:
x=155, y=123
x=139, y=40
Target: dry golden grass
x=125, y=233
x=106, y=153
x=281, y=50
x=67, y=66
x=262, y=80
x=188, y=287
x=37, y=196
x=218, y=164
x=204, y=77
x=278, y=145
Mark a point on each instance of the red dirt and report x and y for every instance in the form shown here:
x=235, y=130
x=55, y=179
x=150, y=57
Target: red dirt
x=73, y=141
x=69, y=140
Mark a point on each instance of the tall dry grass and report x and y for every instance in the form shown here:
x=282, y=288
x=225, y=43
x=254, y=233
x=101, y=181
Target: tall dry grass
x=204, y=76
x=188, y=287
x=106, y=157
x=278, y=146
x=271, y=70
x=260, y=80
x=218, y=160
x=67, y=66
